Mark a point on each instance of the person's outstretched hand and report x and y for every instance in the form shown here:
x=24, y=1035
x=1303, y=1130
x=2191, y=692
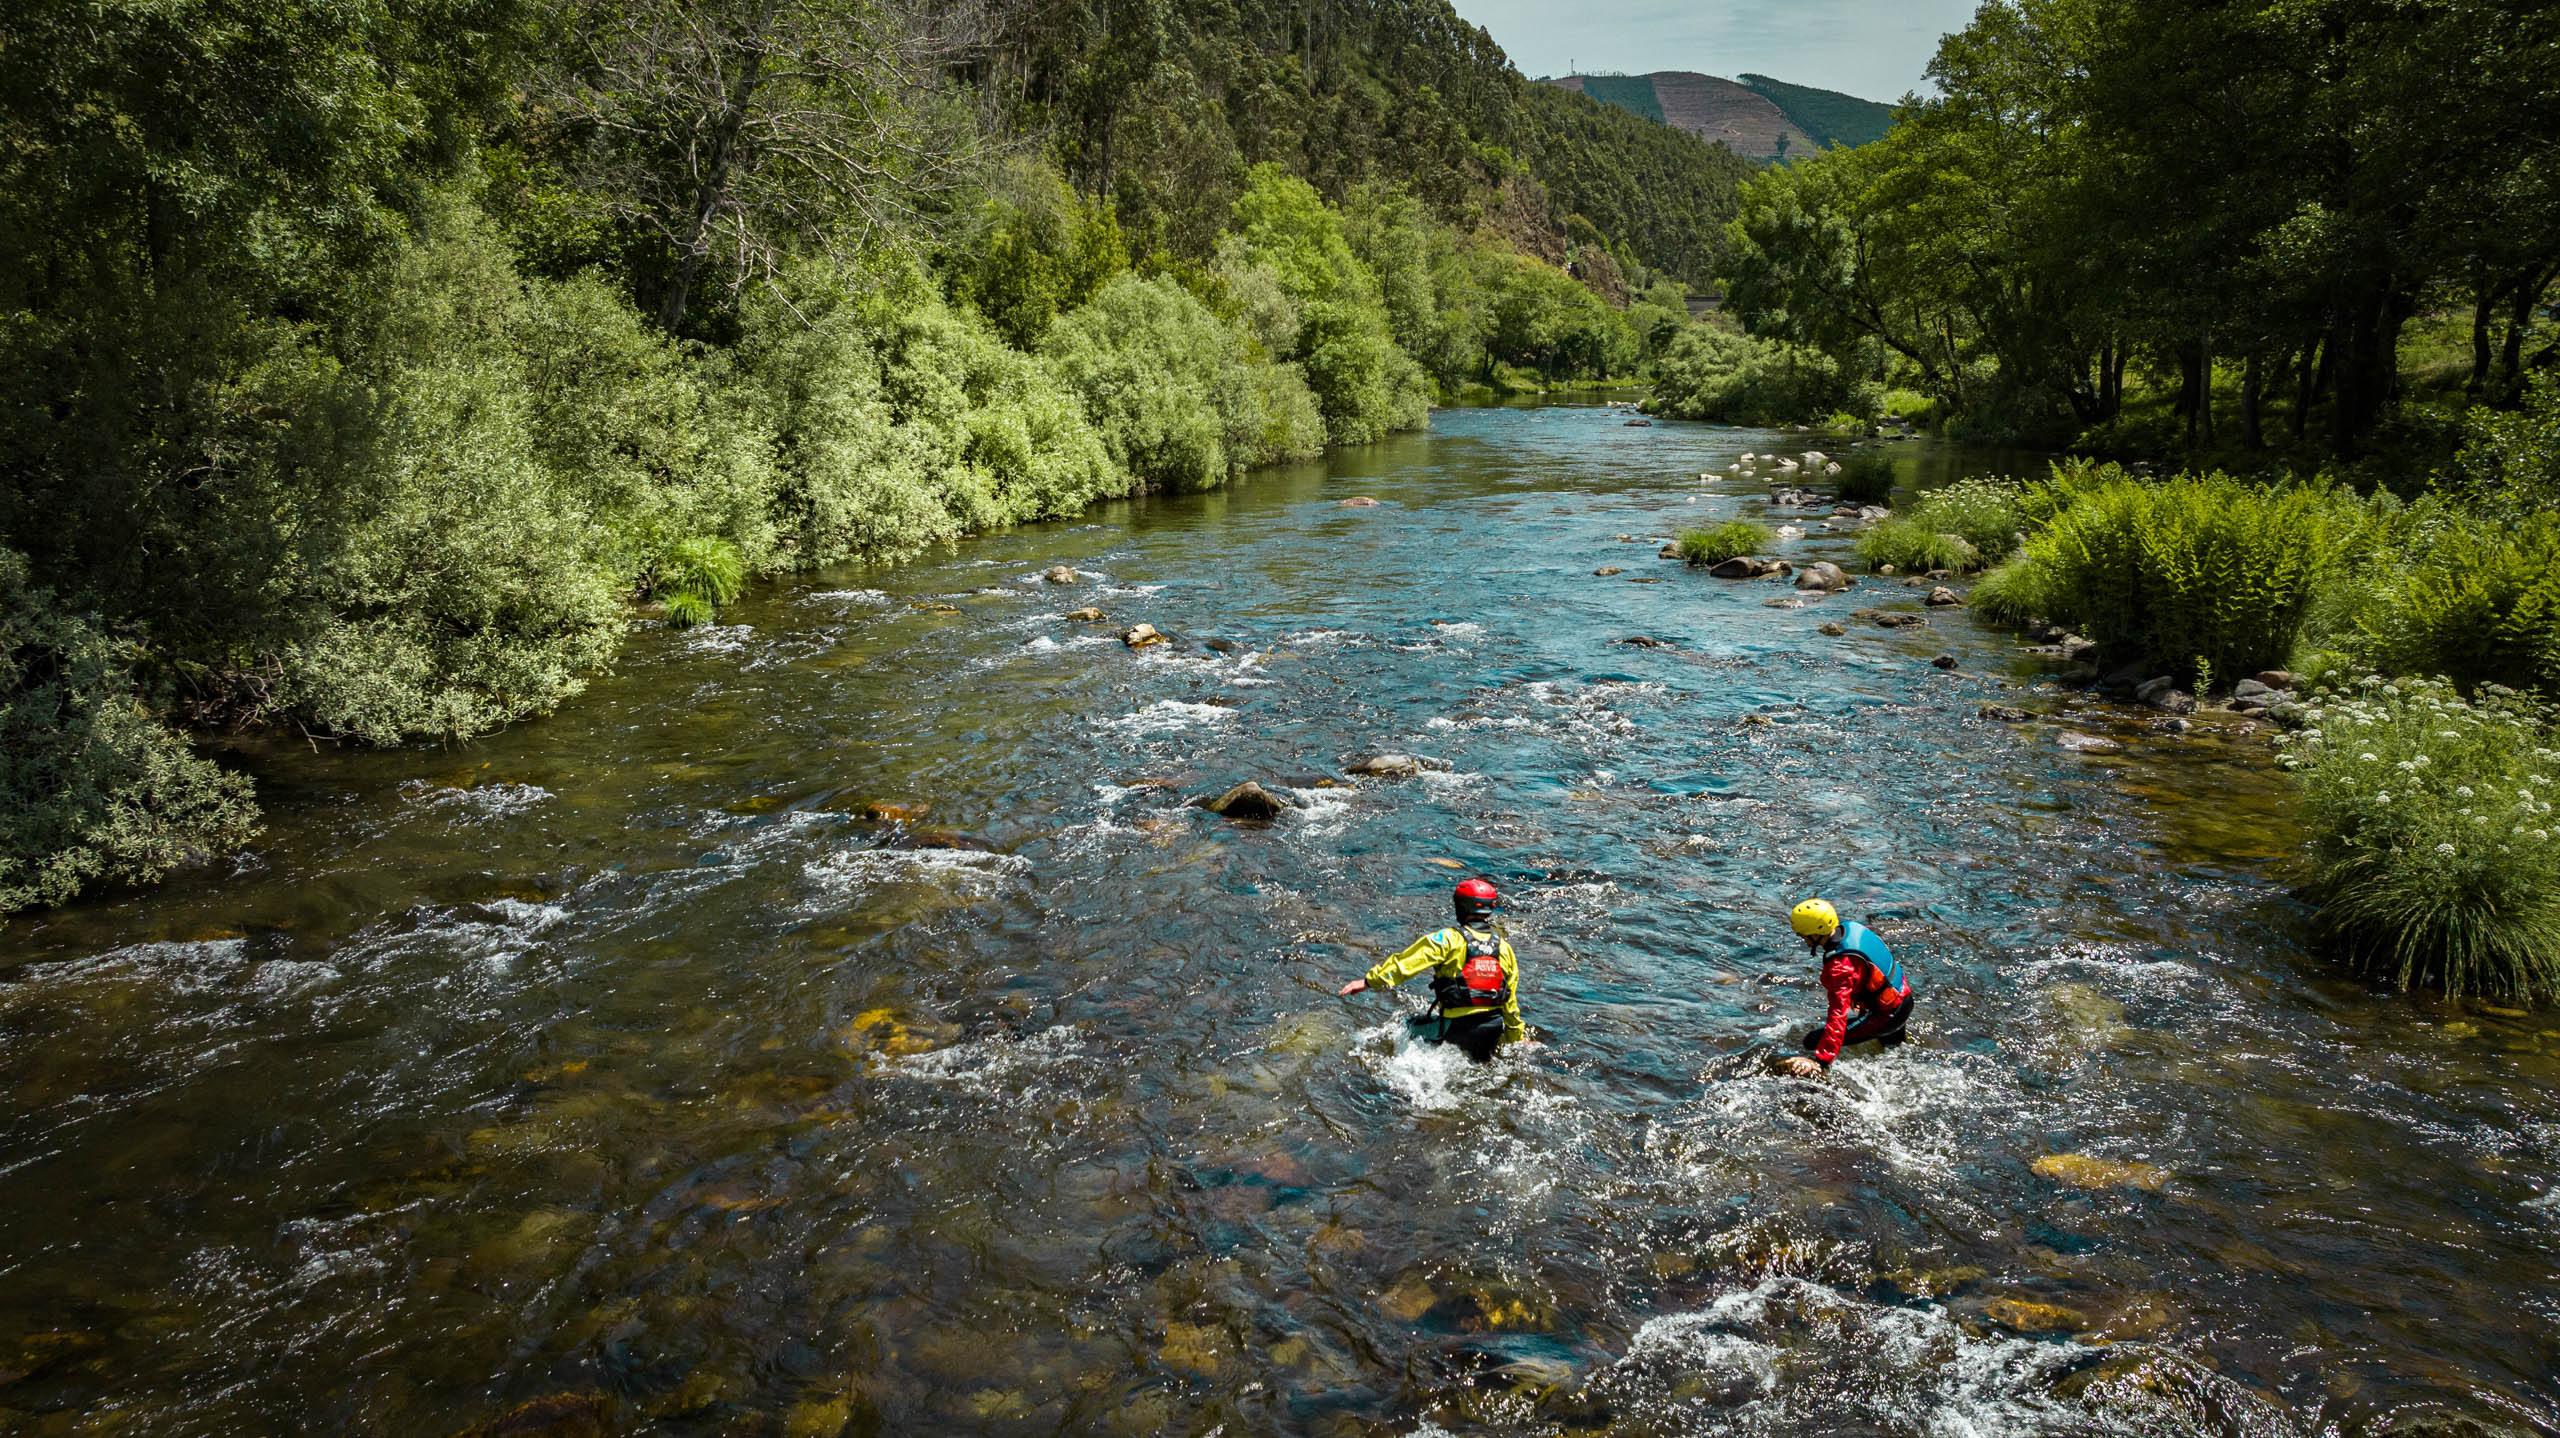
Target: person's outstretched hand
x=1801, y=1066
x=1353, y=987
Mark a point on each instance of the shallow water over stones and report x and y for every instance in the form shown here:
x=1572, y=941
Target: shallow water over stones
x=841, y=1020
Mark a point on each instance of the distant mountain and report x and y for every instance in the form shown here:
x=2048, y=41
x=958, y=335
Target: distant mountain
x=1757, y=118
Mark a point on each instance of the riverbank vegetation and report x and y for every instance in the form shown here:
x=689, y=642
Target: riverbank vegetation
x=369, y=367
x=1717, y=543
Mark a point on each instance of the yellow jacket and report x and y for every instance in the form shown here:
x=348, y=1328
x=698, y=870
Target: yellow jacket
x=1443, y=952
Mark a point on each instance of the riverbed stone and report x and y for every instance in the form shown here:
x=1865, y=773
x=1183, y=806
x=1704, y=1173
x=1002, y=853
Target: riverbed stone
x=2031, y=1317
x=2148, y=687
x=1606, y=570
x=1898, y=619
x=1941, y=597
x=2075, y=648
x=2283, y=679
x=1943, y=661
x=2082, y=1170
x=1741, y=566
x=1139, y=636
x=1887, y=570
x=1782, y=602
x=2251, y=689
x=559, y=1415
x=1833, y=629
x=1646, y=641
x=2170, y=701
x=1061, y=574
x=1824, y=576
x=1247, y=800
x=1358, y=501
x=1086, y=615
x=1669, y=551
x=1386, y=766
x=2004, y=714
x=2081, y=743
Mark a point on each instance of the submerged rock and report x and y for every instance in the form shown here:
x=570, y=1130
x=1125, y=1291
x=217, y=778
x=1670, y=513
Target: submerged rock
x=1782, y=602
x=1387, y=766
x=1247, y=800
x=2028, y=1317
x=1086, y=615
x=2081, y=1170
x=561, y=1415
x=2004, y=714
x=1358, y=501
x=1897, y=619
x=1646, y=641
x=1141, y=635
x=2080, y=743
x=1833, y=629
x=1606, y=570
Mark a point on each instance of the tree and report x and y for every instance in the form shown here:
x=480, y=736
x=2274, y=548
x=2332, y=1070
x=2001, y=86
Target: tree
x=744, y=131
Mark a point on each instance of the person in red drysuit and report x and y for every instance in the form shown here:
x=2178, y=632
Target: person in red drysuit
x=1858, y=974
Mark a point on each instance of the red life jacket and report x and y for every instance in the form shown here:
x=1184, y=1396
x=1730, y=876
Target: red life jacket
x=1480, y=982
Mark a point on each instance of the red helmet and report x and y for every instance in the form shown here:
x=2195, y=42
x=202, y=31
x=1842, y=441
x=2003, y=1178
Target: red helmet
x=1477, y=898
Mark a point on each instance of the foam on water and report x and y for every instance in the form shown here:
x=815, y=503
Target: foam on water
x=1168, y=715
x=486, y=801
x=965, y=874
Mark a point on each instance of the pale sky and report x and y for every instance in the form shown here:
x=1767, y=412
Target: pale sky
x=1871, y=48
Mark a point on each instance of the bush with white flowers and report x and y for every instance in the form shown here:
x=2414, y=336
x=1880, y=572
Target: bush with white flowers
x=2431, y=821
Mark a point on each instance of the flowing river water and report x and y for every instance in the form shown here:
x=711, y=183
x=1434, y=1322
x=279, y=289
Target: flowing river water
x=633, y=1071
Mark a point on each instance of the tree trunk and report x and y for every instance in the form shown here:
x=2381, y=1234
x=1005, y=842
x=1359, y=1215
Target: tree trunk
x=2315, y=370
x=2527, y=293
x=2251, y=434
x=2483, y=301
x=714, y=184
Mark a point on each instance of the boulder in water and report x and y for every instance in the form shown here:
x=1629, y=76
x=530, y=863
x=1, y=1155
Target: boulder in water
x=1086, y=615
x=1741, y=566
x=1646, y=641
x=1140, y=636
x=1897, y=619
x=882, y=812
x=1823, y=575
x=1834, y=630
x=1943, y=661
x=1386, y=766
x=1060, y=574
x=1358, y=501
x=2171, y=701
x=1941, y=597
x=1605, y=571
x=2028, y=1317
x=1782, y=602
x=1247, y=800
x=1638, y=423
x=1669, y=551
x=2004, y=714
x=2079, y=743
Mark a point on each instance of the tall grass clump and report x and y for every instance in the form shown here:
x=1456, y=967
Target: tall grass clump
x=696, y=577
x=1729, y=540
x=2431, y=822
x=2202, y=574
x=1962, y=527
x=1914, y=548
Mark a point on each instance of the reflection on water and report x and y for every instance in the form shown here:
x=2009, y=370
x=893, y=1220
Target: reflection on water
x=839, y=1021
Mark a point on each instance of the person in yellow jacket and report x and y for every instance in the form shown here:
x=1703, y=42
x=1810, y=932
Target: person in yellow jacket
x=1475, y=978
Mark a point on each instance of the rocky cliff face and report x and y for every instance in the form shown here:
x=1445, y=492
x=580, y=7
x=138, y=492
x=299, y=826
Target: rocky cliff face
x=1737, y=116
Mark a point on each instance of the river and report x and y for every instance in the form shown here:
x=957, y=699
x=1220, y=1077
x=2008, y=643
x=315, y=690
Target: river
x=618, y=1073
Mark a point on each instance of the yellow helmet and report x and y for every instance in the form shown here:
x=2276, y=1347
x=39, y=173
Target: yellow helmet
x=1814, y=918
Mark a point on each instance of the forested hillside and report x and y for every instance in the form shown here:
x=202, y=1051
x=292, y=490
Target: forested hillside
x=373, y=365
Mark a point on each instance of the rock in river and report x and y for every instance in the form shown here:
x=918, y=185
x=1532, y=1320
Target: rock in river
x=2004, y=714
x=1669, y=551
x=1358, y=501
x=1141, y=635
x=1834, y=630
x=1823, y=575
x=2080, y=1170
x=1387, y=766
x=1247, y=800
x=1646, y=641
x=1943, y=661
x=1606, y=570
x=2080, y=743
x=1942, y=596
x=1896, y=619
x=1782, y=602
x=1060, y=574
x=1086, y=615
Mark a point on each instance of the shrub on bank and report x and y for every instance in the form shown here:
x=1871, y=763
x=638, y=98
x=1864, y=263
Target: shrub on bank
x=2431, y=821
x=2465, y=599
x=1961, y=527
x=1706, y=373
x=1729, y=540
x=92, y=787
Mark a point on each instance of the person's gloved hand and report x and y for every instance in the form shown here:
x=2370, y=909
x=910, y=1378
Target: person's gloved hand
x=1353, y=987
x=1801, y=1066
